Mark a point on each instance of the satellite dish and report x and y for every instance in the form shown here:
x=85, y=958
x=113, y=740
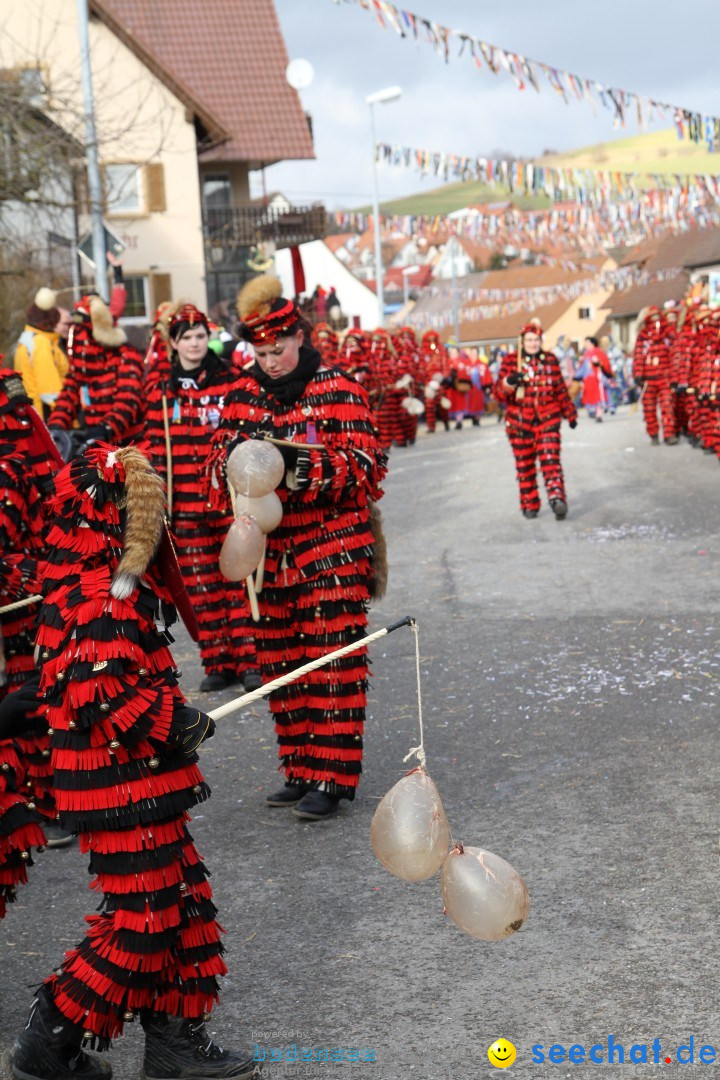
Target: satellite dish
x=299, y=74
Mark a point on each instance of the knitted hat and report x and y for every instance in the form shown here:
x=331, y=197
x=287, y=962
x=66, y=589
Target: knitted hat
x=43, y=313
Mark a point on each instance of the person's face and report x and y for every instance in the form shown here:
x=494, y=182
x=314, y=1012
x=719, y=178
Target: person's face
x=282, y=357
x=64, y=323
x=588, y=343
x=192, y=346
x=531, y=344
x=453, y=352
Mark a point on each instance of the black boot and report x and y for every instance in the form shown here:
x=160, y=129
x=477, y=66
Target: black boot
x=177, y=1048
x=559, y=508
x=316, y=806
x=288, y=795
x=48, y=1048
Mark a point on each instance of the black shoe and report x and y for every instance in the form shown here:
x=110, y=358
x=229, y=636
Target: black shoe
x=288, y=795
x=176, y=1048
x=654, y=440
x=48, y=1048
x=598, y=419
x=559, y=508
x=218, y=680
x=530, y=513
x=475, y=422
x=458, y=425
x=252, y=680
x=56, y=835
x=317, y=805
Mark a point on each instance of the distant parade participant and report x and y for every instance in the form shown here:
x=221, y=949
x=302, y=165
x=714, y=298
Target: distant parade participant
x=103, y=389
x=652, y=372
x=531, y=387
x=481, y=382
x=407, y=382
x=28, y=463
x=459, y=384
x=385, y=397
x=126, y=776
x=683, y=366
x=353, y=356
x=594, y=372
x=707, y=381
x=318, y=568
x=39, y=358
x=182, y=403
x=326, y=342
x=434, y=360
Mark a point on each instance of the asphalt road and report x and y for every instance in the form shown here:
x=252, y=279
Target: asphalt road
x=570, y=682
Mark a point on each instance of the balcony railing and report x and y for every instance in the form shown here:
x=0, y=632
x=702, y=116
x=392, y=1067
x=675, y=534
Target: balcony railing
x=242, y=226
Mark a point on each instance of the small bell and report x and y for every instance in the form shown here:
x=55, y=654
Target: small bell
x=114, y=744
x=153, y=762
x=25, y=855
x=104, y=706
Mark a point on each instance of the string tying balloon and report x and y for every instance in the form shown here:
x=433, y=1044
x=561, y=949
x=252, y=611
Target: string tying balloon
x=418, y=751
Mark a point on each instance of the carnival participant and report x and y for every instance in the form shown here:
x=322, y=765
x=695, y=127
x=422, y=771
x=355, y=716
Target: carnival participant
x=353, y=357
x=458, y=383
x=384, y=395
x=182, y=402
x=125, y=773
x=407, y=382
x=531, y=387
x=318, y=565
x=434, y=360
x=39, y=359
x=102, y=392
x=325, y=340
x=481, y=382
x=594, y=371
x=652, y=372
x=28, y=463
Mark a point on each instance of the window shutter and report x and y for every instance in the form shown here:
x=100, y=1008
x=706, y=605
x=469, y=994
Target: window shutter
x=162, y=289
x=155, y=188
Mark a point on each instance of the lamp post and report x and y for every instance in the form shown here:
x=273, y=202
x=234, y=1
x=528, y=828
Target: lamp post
x=93, y=168
x=406, y=274
x=380, y=97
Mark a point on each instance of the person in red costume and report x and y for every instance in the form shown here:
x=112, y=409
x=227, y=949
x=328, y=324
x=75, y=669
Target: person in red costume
x=189, y=392
x=531, y=387
x=434, y=361
x=103, y=389
x=28, y=464
x=318, y=565
x=385, y=396
x=125, y=776
x=653, y=372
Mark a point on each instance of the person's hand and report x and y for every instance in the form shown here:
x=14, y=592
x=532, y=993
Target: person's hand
x=573, y=424
x=113, y=259
x=515, y=378
x=16, y=709
x=189, y=729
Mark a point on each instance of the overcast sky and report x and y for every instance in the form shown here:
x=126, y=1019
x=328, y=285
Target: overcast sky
x=661, y=48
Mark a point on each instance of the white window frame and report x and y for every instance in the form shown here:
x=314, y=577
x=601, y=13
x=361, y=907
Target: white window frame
x=113, y=210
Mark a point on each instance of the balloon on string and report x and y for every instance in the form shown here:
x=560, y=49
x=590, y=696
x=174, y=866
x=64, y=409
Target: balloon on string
x=267, y=510
x=483, y=895
x=255, y=468
x=409, y=833
x=242, y=549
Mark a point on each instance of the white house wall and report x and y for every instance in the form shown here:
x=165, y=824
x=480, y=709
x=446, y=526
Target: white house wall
x=323, y=268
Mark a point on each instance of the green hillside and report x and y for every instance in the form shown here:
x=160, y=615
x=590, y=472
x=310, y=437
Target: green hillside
x=654, y=152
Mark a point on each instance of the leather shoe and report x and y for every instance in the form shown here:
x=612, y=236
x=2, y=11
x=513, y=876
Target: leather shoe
x=317, y=805
x=288, y=795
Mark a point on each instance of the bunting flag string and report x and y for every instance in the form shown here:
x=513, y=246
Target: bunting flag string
x=621, y=104
x=527, y=177
x=497, y=303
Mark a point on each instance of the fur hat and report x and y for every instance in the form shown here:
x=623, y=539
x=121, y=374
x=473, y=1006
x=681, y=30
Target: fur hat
x=104, y=329
x=43, y=313
x=264, y=312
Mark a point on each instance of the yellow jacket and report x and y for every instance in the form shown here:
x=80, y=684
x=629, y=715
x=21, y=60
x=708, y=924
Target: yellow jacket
x=42, y=366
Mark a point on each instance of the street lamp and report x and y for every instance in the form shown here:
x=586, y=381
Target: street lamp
x=380, y=97
x=406, y=273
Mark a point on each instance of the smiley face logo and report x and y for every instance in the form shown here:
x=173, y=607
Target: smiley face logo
x=501, y=1054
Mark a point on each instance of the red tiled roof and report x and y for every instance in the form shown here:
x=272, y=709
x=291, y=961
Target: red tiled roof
x=507, y=327
x=337, y=240
x=227, y=63
x=624, y=302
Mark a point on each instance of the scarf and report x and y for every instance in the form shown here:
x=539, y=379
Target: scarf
x=195, y=378
x=287, y=389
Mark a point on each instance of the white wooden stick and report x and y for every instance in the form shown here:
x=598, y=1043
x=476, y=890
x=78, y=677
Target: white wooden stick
x=260, y=572
x=252, y=597
x=313, y=665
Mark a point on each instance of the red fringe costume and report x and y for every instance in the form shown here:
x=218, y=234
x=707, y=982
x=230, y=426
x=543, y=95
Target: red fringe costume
x=353, y=357
x=104, y=383
x=533, y=422
x=651, y=366
x=434, y=362
x=27, y=462
x=110, y=690
x=325, y=340
x=384, y=396
x=194, y=402
x=408, y=372
x=707, y=382
x=317, y=568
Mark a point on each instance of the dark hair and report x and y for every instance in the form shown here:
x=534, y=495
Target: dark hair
x=182, y=328
x=593, y=340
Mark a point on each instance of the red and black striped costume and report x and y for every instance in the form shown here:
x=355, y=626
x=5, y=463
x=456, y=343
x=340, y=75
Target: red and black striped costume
x=194, y=402
x=384, y=396
x=317, y=567
x=353, y=356
x=104, y=383
x=682, y=353
x=27, y=463
x=408, y=374
x=533, y=423
x=707, y=377
x=652, y=367
x=111, y=693
x=325, y=341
